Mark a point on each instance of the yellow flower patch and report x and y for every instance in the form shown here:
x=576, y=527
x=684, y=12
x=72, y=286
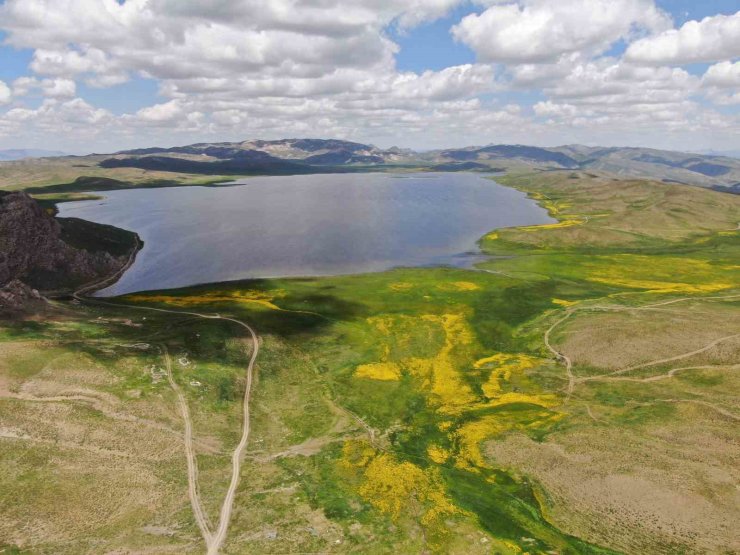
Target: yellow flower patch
x=563, y=302
x=558, y=225
x=472, y=434
x=459, y=286
x=466, y=286
x=452, y=393
x=259, y=298
x=395, y=487
x=401, y=286
x=384, y=371
x=545, y=401
x=659, y=275
x=439, y=374
x=504, y=365
x=469, y=437
x=438, y=454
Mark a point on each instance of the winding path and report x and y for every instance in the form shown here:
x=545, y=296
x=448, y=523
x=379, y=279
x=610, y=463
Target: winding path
x=195, y=502
x=214, y=540
x=562, y=356
x=572, y=380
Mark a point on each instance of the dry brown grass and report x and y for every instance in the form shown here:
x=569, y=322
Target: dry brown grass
x=648, y=460
x=41, y=172
x=626, y=213
x=639, y=491
x=612, y=339
x=84, y=468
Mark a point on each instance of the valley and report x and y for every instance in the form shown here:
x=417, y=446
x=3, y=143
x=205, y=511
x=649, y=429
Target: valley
x=212, y=164
x=572, y=393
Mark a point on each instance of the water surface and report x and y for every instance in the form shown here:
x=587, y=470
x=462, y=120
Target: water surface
x=307, y=225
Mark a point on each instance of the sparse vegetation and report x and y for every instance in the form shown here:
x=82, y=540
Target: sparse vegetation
x=410, y=410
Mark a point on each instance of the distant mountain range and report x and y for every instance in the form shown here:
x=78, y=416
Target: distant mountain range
x=727, y=153
x=20, y=154
x=297, y=156
x=312, y=155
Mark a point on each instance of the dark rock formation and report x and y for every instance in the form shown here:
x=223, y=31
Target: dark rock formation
x=41, y=252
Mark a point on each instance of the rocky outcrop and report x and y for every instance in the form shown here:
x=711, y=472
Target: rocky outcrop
x=16, y=297
x=36, y=250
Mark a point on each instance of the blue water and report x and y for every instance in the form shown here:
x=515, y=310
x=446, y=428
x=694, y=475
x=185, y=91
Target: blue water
x=308, y=225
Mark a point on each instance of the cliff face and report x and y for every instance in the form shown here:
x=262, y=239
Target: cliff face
x=36, y=249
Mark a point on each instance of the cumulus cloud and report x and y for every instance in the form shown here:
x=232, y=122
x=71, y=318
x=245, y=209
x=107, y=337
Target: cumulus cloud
x=711, y=39
x=233, y=69
x=175, y=113
x=610, y=81
x=5, y=93
x=536, y=31
x=74, y=116
x=722, y=82
x=59, y=88
x=52, y=88
x=724, y=74
x=183, y=39
x=614, y=93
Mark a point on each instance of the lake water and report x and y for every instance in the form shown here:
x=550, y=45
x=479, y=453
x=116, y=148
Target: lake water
x=308, y=225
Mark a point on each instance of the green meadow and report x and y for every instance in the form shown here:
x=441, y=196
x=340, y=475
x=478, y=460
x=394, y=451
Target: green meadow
x=421, y=409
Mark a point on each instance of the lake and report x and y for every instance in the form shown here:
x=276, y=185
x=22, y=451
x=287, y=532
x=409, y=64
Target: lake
x=307, y=225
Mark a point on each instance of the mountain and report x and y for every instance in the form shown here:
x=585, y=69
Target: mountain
x=717, y=172
x=160, y=166
x=21, y=154
x=264, y=157
x=726, y=153
x=526, y=154
x=40, y=251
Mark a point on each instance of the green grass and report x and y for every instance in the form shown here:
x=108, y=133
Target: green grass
x=642, y=242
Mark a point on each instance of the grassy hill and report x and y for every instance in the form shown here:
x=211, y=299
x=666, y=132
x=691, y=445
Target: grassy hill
x=576, y=394
x=207, y=163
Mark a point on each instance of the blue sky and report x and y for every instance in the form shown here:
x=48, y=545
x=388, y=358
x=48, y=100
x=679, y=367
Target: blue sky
x=106, y=74
x=431, y=46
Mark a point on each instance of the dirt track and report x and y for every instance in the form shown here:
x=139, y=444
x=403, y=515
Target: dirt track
x=214, y=541
x=573, y=380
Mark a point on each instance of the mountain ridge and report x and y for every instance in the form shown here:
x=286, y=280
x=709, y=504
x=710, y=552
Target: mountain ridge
x=25, y=153
x=310, y=155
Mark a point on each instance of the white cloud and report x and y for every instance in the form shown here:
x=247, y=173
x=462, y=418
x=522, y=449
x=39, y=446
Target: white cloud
x=229, y=70
x=5, y=93
x=721, y=77
x=52, y=88
x=420, y=11
x=724, y=74
x=168, y=111
x=711, y=39
x=74, y=117
x=623, y=96
x=181, y=40
x=614, y=82
x=537, y=31
x=59, y=88
x=551, y=109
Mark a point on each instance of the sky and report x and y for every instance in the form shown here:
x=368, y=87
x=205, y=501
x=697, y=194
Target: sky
x=103, y=75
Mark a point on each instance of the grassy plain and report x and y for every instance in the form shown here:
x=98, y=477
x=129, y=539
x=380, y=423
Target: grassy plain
x=78, y=174
x=416, y=410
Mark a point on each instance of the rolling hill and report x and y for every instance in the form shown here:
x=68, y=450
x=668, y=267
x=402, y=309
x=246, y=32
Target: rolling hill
x=21, y=154
x=190, y=164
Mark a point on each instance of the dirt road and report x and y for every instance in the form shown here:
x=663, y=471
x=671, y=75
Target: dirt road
x=195, y=502
x=573, y=380
x=213, y=540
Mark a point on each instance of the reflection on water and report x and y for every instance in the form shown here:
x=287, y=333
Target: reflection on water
x=305, y=225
